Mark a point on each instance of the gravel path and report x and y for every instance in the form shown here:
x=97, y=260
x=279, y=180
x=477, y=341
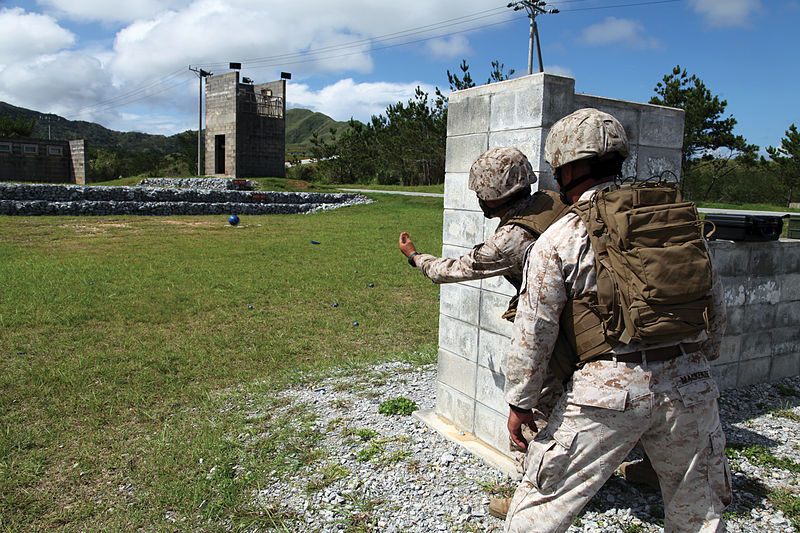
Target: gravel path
x=393, y=474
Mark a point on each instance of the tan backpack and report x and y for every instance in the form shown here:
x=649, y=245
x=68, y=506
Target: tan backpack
x=653, y=269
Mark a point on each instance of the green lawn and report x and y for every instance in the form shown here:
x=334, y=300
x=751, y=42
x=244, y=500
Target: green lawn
x=122, y=337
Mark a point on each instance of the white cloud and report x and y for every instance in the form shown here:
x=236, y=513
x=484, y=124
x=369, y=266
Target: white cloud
x=614, y=30
x=44, y=66
x=448, y=48
x=24, y=36
x=728, y=13
x=347, y=99
x=106, y=11
x=559, y=70
x=78, y=78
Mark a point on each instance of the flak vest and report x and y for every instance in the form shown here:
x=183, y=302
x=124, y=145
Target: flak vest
x=546, y=208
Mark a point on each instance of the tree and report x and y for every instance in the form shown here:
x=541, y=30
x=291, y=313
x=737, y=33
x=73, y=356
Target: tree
x=498, y=72
x=465, y=82
x=786, y=160
x=16, y=126
x=705, y=131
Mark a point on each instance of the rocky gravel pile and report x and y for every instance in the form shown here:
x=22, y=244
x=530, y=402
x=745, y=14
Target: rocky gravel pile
x=394, y=474
x=36, y=199
x=198, y=183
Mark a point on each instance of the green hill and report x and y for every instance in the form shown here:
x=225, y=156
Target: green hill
x=96, y=136
x=300, y=124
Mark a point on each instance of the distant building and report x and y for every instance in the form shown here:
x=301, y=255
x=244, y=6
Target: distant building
x=41, y=160
x=245, y=127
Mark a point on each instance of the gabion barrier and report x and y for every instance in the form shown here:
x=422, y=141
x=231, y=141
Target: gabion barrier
x=198, y=183
x=35, y=199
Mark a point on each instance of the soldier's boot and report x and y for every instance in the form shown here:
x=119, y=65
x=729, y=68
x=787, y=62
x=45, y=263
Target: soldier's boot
x=640, y=472
x=498, y=506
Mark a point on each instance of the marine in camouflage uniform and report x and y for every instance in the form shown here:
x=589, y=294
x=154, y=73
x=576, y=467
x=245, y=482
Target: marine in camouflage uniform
x=502, y=179
x=662, y=394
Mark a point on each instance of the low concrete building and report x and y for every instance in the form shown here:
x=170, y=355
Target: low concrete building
x=245, y=127
x=45, y=161
x=761, y=279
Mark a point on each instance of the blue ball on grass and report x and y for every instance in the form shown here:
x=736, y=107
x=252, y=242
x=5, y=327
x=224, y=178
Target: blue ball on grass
x=233, y=220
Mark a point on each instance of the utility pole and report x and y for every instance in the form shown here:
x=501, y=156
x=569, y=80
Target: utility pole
x=47, y=118
x=534, y=8
x=200, y=74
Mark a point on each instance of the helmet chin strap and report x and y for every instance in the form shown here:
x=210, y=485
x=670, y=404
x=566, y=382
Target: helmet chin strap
x=490, y=212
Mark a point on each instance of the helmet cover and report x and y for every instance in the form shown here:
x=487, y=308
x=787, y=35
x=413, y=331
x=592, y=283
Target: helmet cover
x=585, y=134
x=499, y=173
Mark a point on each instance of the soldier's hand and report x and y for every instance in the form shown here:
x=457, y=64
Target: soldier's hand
x=515, y=421
x=406, y=246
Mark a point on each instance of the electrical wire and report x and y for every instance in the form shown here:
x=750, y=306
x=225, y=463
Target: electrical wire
x=366, y=45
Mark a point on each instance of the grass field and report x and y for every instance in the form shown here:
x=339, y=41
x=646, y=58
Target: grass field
x=121, y=338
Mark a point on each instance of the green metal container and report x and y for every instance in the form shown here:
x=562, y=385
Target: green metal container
x=794, y=227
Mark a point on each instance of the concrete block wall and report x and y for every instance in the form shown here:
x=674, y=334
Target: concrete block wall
x=473, y=339
x=221, y=120
x=78, y=164
x=42, y=160
x=762, y=294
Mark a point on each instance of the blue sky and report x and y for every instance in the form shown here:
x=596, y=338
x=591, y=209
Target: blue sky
x=125, y=64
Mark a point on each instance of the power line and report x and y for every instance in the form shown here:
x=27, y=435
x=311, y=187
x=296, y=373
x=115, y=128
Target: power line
x=177, y=77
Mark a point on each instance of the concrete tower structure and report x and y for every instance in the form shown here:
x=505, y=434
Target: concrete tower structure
x=245, y=127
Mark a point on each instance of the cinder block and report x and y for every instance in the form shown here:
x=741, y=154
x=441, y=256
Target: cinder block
x=736, y=320
x=456, y=372
x=462, y=228
x=791, y=256
x=529, y=141
x=460, y=301
x=518, y=108
x=559, y=98
x=457, y=194
x=661, y=127
x=468, y=114
x=490, y=427
x=784, y=366
x=729, y=258
x=726, y=376
x=658, y=162
x=729, y=351
x=451, y=251
x=753, y=371
x=455, y=407
x=785, y=340
x=756, y=345
x=628, y=113
x=500, y=285
x=735, y=290
x=489, y=389
x=462, y=151
x=759, y=317
x=764, y=290
x=458, y=337
x=790, y=288
x=766, y=259
x=489, y=227
x=492, y=350
x=787, y=315
x=493, y=306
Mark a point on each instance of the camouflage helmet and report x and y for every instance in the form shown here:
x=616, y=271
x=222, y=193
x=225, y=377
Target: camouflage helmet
x=499, y=173
x=585, y=134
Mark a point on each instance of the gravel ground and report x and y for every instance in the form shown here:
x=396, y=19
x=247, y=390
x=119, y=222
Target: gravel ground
x=393, y=474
